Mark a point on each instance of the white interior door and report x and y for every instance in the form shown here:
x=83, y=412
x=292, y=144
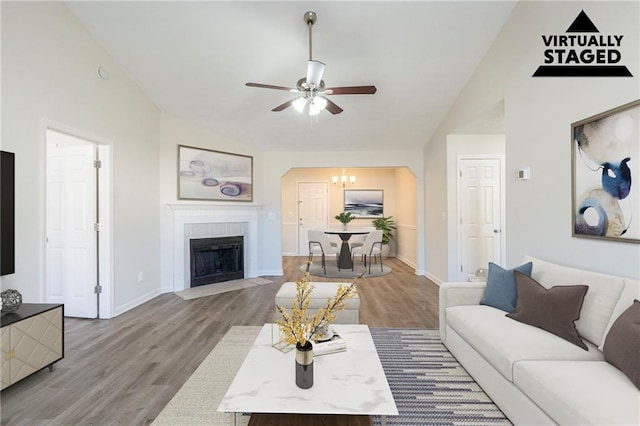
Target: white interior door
x=71, y=215
x=480, y=214
x=313, y=210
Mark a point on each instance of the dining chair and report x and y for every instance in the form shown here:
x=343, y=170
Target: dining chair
x=320, y=244
x=358, y=239
x=372, y=247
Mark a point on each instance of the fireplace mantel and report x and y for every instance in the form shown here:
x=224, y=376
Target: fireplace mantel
x=218, y=208
x=212, y=220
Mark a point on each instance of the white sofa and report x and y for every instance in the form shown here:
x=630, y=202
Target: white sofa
x=534, y=376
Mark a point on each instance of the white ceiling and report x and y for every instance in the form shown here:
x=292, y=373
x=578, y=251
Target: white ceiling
x=194, y=58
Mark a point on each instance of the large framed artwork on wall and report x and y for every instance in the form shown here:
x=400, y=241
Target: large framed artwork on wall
x=205, y=174
x=364, y=203
x=606, y=174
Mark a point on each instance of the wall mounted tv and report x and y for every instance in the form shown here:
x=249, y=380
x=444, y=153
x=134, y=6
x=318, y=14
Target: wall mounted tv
x=7, y=213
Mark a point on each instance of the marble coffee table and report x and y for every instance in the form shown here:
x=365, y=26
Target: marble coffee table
x=351, y=382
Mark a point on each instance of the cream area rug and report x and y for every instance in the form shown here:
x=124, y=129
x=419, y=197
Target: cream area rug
x=223, y=287
x=197, y=401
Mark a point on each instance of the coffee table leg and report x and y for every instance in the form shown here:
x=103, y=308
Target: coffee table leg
x=383, y=420
x=232, y=419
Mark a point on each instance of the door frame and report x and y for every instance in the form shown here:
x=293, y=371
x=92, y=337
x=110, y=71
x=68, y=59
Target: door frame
x=458, y=225
x=105, y=214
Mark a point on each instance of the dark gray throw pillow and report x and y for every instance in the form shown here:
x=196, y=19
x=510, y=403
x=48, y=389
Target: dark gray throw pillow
x=622, y=344
x=500, y=291
x=554, y=310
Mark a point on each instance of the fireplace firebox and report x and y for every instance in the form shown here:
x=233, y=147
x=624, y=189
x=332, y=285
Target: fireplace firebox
x=215, y=260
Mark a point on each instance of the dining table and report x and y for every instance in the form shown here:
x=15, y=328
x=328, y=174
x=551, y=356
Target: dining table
x=344, y=258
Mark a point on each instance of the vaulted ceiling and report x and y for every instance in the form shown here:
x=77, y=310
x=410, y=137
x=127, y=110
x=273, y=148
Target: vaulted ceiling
x=194, y=58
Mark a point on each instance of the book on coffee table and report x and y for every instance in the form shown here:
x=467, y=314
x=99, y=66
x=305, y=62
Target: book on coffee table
x=329, y=346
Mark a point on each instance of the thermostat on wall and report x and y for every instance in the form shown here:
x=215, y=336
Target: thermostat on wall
x=524, y=174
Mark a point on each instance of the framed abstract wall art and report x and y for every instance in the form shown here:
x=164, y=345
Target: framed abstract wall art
x=606, y=174
x=205, y=174
x=364, y=203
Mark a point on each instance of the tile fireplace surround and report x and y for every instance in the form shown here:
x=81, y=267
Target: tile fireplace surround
x=205, y=221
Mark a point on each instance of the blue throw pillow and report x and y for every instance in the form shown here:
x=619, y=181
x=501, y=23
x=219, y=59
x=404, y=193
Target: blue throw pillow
x=501, y=290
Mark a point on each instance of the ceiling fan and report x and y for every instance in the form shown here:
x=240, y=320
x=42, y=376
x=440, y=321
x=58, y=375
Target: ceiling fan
x=311, y=89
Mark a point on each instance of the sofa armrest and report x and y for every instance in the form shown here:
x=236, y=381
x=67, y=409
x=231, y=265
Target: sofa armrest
x=456, y=294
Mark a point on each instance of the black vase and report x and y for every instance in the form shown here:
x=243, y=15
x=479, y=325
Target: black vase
x=304, y=365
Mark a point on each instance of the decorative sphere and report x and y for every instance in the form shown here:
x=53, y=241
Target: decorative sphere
x=11, y=300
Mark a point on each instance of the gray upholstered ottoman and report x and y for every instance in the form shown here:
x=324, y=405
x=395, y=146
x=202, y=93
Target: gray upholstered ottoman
x=321, y=292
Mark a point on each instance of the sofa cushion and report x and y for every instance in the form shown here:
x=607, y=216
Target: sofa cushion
x=579, y=392
x=622, y=344
x=502, y=341
x=599, y=302
x=322, y=291
x=318, y=297
x=554, y=310
x=501, y=286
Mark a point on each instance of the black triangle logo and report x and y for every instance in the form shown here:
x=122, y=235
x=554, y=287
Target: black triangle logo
x=582, y=24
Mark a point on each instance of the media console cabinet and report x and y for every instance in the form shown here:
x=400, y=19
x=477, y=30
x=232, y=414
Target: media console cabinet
x=32, y=338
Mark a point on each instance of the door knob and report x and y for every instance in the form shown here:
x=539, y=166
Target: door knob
x=497, y=231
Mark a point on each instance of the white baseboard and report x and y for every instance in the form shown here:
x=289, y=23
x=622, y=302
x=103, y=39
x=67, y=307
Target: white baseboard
x=433, y=278
x=273, y=273
x=417, y=271
x=136, y=302
x=406, y=262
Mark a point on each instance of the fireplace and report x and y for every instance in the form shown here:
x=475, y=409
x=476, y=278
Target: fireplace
x=215, y=260
x=191, y=221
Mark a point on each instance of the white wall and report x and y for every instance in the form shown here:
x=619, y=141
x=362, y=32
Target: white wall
x=538, y=115
x=49, y=77
x=276, y=164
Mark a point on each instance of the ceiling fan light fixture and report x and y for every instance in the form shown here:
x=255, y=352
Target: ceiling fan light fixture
x=317, y=104
x=313, y=110
x=299, y=104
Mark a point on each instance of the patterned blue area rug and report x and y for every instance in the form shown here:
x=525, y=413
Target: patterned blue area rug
x=429, y=386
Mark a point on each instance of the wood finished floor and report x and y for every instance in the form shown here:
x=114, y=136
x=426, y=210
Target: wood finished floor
x=125, y=370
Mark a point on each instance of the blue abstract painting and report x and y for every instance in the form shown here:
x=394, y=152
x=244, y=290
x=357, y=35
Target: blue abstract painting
x=606, y=174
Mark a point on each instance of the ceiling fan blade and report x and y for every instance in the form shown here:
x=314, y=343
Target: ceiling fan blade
x=270, y=86
x=284, y=105
x=332, y=107
x=351, y=90
x=315, y=69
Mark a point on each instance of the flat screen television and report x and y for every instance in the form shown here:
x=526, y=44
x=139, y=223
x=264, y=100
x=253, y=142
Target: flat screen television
x=7, y=213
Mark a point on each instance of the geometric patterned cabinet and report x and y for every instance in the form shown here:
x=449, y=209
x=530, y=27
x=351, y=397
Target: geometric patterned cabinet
x=32, y=339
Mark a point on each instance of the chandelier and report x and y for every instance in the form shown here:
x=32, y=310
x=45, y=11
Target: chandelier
x=343, y=179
